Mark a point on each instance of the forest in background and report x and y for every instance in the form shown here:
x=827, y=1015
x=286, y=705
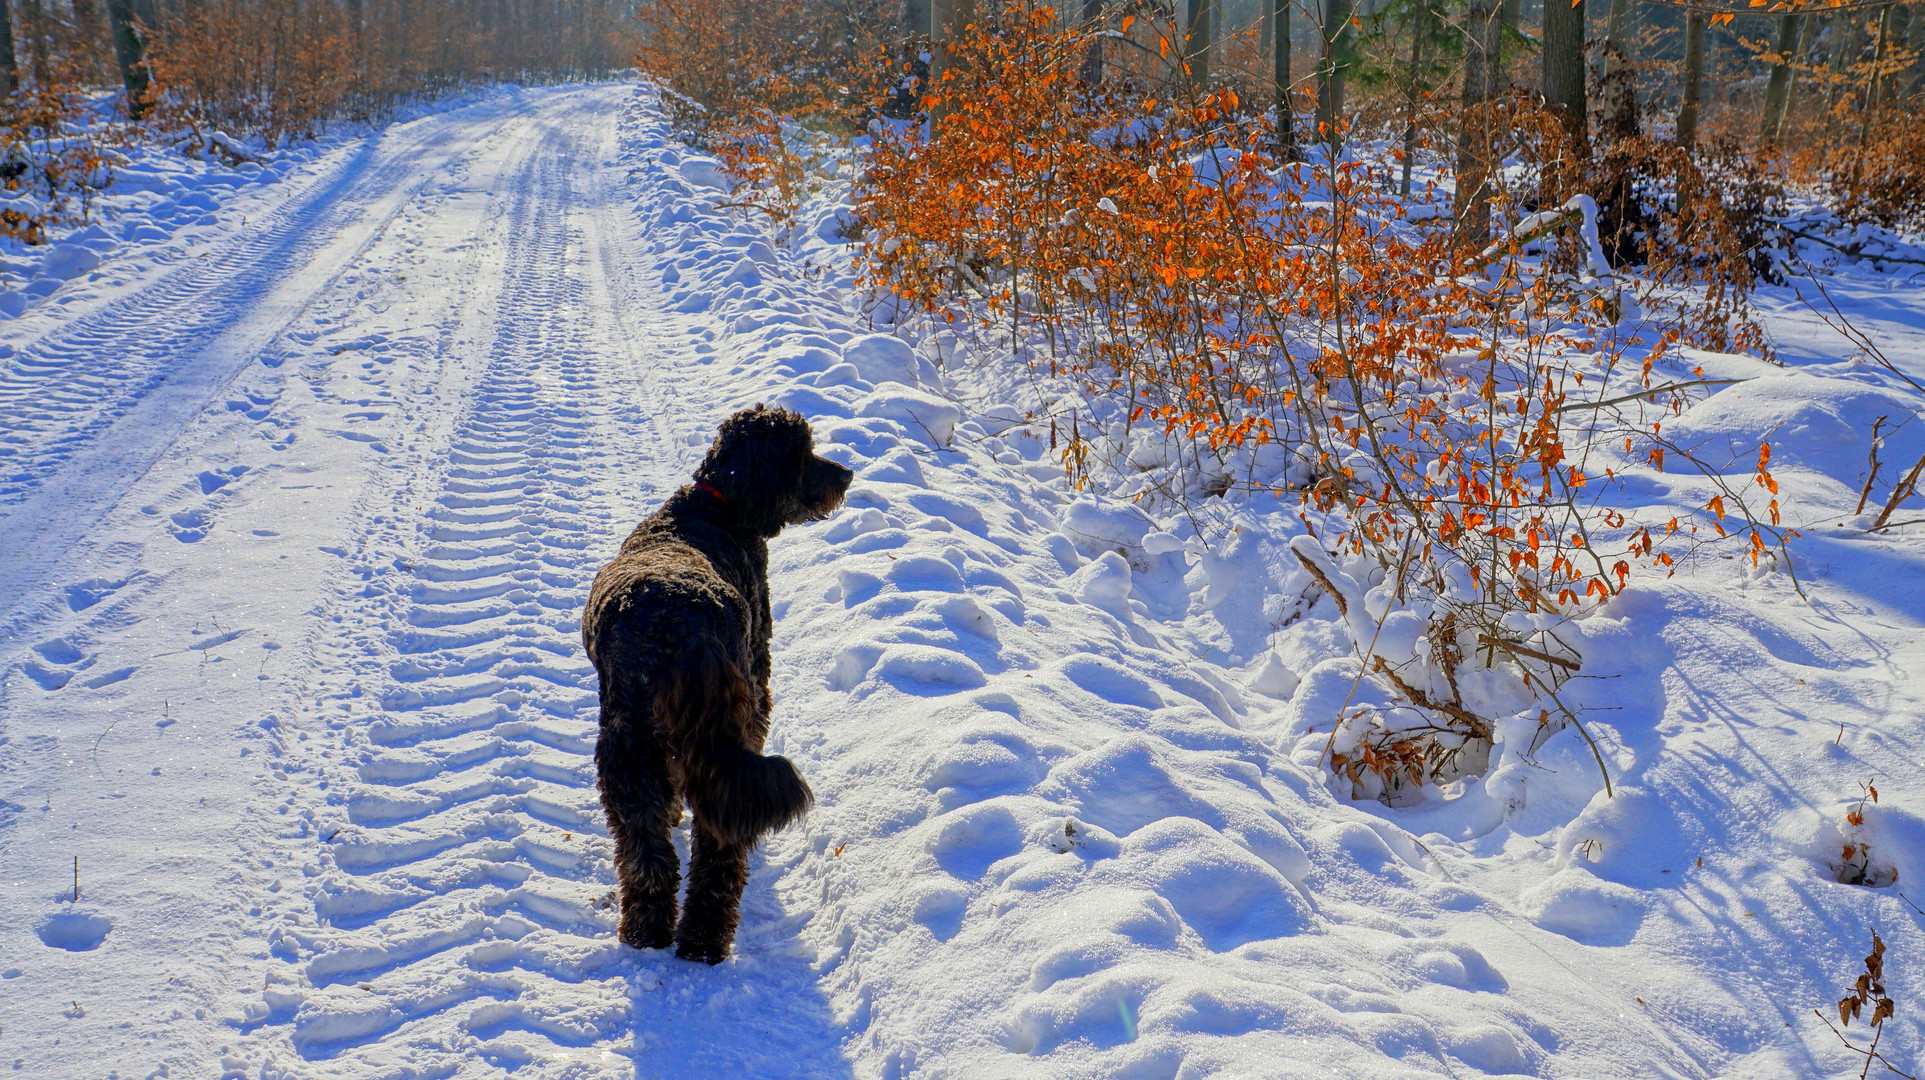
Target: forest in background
x=81, y=80
x=1826, y=92
x=275, y=67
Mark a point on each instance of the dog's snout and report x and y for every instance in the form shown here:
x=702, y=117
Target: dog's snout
x=830, y=482
x=841, y=476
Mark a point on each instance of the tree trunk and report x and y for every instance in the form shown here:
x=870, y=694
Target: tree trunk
x=130, y=53
x=1419, y=32
x=34, y=21
x=1778, y=88
x=1693, y=78
x=1199, y=39
x=1847, y=39
x=1511, y=12
x=356, y=13
x=1472, y=206
x=1092, y=72
x=1330, y=74
x=1280, y=65
x=915, y=19
x=1871, y=90
x=1564, y=69
x=1620, y=85
x=87, y=40
x=949, y=20
x=9, y=67
x=1893, y=82
x=1916, y=76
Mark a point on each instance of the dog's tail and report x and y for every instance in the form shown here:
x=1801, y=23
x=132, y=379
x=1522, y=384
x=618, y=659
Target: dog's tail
x=705, y=707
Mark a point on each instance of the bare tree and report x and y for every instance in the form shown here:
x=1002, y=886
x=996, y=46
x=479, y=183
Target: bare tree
x=1693, y=78
x=1778, y=88
x=1847, y=40
x=1472, y=206
x=129, y=51
x=949, y=20
x=1199, y=39
x=1331, y=71
x=9, y=67
x=1620, y=84
x=1512, y=12
x=1092, y=72
x=1563, y=71
x=1879, y=49
x=1280, y=70
x=1420, y=20
x=33, y=20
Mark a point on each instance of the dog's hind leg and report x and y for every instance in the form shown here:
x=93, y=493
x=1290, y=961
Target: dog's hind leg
x=707, y=711
x=717, y=873
x=639, y=797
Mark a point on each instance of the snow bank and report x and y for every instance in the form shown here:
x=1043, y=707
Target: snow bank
x=1069, y=826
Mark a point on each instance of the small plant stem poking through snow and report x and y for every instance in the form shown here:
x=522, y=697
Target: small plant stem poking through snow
x=1868, y=989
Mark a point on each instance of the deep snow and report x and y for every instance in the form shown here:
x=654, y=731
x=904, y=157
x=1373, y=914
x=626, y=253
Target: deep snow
x=300, y=519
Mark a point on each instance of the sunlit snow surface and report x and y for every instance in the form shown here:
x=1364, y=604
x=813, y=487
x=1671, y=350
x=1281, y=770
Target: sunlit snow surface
x=300, y=510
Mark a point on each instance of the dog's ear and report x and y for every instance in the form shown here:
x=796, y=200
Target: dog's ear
x=757, y=463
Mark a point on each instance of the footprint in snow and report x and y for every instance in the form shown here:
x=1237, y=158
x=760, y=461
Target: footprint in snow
x=59, y=661
x=85, y=594
x=74, y=930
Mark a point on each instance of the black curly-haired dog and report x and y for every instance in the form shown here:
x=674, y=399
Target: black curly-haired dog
x=678, y=629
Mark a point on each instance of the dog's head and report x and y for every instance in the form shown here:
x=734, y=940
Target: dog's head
x=765, y=467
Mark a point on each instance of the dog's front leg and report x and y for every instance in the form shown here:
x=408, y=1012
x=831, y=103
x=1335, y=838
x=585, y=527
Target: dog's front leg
x=717, y=873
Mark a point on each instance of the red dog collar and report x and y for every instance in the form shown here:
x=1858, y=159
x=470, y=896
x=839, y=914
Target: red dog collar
x=711, y=490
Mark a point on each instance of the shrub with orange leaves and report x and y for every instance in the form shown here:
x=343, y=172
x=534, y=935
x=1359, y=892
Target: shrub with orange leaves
x=1192, y=316
x=57, y=152
x=1220, y=319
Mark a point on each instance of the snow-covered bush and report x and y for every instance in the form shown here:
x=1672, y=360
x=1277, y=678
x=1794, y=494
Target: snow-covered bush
x=1195, y=315
x=1199, y=318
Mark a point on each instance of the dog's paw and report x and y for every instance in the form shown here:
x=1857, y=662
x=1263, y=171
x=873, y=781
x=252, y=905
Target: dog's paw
x=647, y=941
x=701, y=954
x=642, y=932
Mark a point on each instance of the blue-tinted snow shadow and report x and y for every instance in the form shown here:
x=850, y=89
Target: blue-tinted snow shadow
x=761, y=1013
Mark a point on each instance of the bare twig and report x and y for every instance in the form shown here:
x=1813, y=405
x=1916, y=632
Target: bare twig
x=1873, y=477
x=102, y=735
x=1653, y=392
x=1816, y=239
x=1899, y=493
x=1476, y=725
x=1342, y=607
x=1777, y=8
x=1850, y=332
x=1512, y=646
x=1870, y=1055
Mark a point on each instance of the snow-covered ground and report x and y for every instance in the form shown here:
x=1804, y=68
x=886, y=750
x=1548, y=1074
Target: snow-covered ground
x=298, y=522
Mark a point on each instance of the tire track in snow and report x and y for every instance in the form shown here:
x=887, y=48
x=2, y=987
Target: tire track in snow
x=463, y=917
x=457, y=880
x=94, y=402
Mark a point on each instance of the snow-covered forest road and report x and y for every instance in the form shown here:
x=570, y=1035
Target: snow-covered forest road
x=363, y=456
x=299, y=503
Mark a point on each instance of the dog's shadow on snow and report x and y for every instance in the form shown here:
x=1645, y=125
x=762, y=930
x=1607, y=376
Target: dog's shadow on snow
x=761, y=1013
